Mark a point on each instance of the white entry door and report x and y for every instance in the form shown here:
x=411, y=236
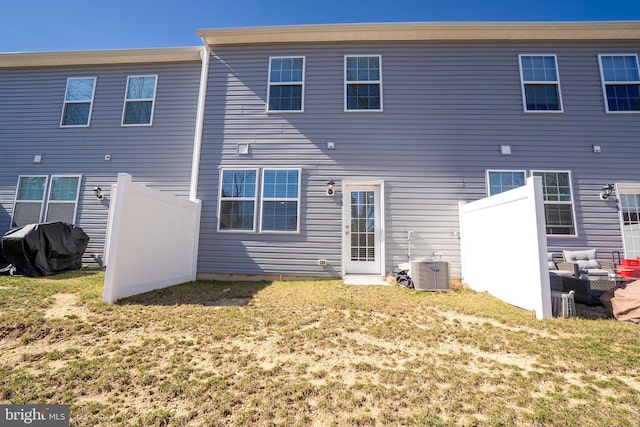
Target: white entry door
x=629, y=199
x=362, y=241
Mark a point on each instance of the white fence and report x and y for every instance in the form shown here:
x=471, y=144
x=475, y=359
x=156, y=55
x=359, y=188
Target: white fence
x=152, y=240
x=504, y=248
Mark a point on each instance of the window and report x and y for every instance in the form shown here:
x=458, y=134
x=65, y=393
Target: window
x=540, y=83
x=63, y=199
x=501, y=181
x=35, y=204
x=238, y=200
x=139, y=100
x=286, y=81
x=78, y=102
x=558, y=202
x=279, y=205
x=280, y=200
x=362, y=83
x=620, y=82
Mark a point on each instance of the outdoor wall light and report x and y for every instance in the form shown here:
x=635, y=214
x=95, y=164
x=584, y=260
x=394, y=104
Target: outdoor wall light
x=606, y=191
x=98, y=192
x=330, y=189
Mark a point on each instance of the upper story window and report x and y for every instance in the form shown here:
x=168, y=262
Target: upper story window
x=41, y=198
x=558, y=202
x=362, y=83
x=280, y=200
x=238, y=200
x=499, y=181
x=139, y=100
x=620, y=82
x=540, y=83
x=286, y=84
x=78, y=102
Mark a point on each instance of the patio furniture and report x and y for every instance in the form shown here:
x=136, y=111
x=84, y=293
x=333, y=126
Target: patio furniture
x=555, y=274
x=588, y=291
x=583, y=264
x=563, y=304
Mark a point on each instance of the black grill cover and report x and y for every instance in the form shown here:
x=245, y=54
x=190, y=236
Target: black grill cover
x=45, y=249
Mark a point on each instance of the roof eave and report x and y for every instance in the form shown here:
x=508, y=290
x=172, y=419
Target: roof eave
x=99, y=57
x=601, y=30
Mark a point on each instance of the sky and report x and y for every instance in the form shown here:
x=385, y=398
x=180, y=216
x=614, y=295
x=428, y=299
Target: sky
x=61, y=25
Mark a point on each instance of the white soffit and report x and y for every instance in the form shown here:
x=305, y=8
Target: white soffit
x=603, y=30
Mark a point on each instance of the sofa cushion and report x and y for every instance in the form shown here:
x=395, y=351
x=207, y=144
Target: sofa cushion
x=597, y=272
x=585, y=259
x=560, y=273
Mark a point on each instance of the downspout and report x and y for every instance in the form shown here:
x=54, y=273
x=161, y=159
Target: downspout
x=205, y=55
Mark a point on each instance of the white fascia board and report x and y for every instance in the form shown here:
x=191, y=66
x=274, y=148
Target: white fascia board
x=99, y=57
x=587, y=30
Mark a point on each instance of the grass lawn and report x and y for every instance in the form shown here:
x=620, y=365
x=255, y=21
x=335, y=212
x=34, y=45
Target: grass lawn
x=309, y=353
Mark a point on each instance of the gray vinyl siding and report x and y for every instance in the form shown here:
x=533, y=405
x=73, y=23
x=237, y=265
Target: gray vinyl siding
x=31, y=102
x=447, y=108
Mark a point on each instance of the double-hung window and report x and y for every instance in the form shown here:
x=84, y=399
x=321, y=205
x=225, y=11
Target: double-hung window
x=558, y=202
x=540, y=83
x=43, y=198
x=620, y=82
x=286, y=84
x=238, y=200
x=363, y=83
x=78, y=102
x=280, y=200
x=499, y=181
x=139, y=100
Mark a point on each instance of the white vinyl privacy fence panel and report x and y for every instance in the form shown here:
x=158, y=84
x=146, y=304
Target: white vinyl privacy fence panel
x=504, y=248
x=152, y=240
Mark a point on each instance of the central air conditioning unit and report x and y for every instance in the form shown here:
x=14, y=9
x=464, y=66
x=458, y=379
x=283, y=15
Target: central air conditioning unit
x=430, y=275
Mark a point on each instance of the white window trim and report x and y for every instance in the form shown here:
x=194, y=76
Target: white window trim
x=41, y=202
x=488, y=171
x=153, y=100
x=286, y=199
x=65, y=102
x=245, y=199
x=572, y=202
x=524, y=82
x=301, y=83
x=604, y=84
x=49, y=201
x=46, y=196
x=379, y=82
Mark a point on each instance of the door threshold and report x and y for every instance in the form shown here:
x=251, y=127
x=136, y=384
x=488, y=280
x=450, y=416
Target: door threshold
x=364, y=279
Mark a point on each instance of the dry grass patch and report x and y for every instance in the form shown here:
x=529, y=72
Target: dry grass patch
x=309, y=353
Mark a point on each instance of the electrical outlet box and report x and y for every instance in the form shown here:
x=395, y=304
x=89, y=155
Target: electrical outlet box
x=322, y=262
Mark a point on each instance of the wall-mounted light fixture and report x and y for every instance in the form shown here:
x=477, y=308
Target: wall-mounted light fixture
x=37, y=158
x=606, y=191
x=505, y=150
x=98, y=192
x=330, y=190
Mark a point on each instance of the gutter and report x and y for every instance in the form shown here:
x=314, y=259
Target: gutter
x=205, y=55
